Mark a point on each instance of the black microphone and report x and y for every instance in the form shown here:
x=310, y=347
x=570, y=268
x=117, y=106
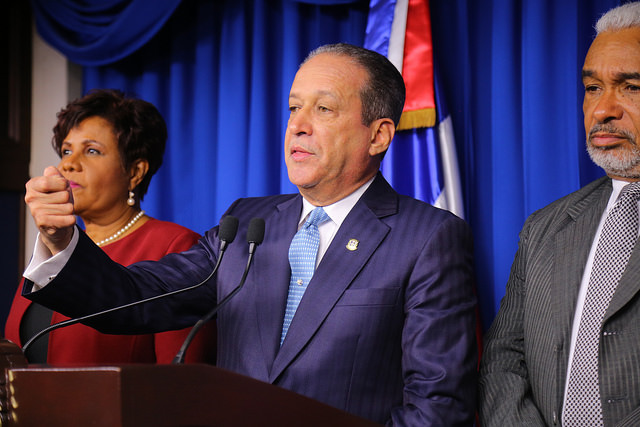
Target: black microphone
x=255, y=235
x=226, y=233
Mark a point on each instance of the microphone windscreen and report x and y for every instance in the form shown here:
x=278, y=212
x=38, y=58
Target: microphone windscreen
x=228, y=228
x=255, y=233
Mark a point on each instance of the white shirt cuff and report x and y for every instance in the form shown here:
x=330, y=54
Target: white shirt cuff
x=43, y=267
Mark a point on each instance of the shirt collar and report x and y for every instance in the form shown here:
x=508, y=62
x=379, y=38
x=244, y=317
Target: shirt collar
x=617, y=185
x=339, y=210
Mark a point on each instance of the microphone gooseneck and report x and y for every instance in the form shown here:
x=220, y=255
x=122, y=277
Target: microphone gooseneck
x=227, y=233
x=255, y=236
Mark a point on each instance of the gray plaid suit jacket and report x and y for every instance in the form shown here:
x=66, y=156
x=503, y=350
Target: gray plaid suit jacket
x=524, y=366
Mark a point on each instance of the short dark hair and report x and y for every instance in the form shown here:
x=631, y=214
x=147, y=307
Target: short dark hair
x=383, y=95
x=138, y=126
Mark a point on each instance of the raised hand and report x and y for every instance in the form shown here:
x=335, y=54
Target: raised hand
x=50, y=201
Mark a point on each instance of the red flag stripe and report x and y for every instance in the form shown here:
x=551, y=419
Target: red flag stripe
x=417, y=68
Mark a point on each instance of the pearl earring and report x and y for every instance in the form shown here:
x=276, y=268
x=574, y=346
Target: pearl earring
x=131, y=201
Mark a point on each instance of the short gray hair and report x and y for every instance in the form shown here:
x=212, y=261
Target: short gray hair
x=619, y=18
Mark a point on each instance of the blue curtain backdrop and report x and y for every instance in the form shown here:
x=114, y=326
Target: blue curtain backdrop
x=511, y=72
x=220, y=71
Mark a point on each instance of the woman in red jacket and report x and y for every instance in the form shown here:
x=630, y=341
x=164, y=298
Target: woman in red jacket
x=110, y=146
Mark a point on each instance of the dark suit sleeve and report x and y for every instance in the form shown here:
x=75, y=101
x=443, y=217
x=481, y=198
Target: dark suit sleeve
x=91, y=282
x=505, y=397
x=439, y=347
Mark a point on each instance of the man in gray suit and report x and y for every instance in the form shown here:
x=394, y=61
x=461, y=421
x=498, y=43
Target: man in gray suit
x=565, y=346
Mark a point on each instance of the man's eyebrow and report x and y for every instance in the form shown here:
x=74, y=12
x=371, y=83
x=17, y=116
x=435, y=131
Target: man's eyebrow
x=587, y=73
x=628, y=76
x=318, y=93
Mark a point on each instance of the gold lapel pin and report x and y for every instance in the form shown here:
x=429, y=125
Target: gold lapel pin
x=352, y=244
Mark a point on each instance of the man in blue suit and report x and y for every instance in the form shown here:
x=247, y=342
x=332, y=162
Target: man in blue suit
x=386, y=327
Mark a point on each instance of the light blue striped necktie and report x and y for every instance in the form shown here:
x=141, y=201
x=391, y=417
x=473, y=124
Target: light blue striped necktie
x=302, y=258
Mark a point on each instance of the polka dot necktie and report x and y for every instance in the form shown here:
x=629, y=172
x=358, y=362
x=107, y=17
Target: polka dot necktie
x=618, y=237
x=302, y=258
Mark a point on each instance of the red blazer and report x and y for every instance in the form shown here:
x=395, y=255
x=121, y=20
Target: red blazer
x=80, y=344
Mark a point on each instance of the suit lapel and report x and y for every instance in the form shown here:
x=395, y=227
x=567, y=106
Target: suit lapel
x=629, y=284
x=572, y=246
x=273, y=283
x=338, y=268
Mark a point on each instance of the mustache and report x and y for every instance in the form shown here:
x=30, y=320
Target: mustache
x=611, y=129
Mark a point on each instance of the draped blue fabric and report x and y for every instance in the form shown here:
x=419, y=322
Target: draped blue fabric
x=98, y=32
x=220, y=71
x=511, y=71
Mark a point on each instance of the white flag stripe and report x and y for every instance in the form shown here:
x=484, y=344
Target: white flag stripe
x=396, y=38
x=451, y=196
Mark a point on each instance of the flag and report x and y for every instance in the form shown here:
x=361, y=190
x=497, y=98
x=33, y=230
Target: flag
x=421, y=161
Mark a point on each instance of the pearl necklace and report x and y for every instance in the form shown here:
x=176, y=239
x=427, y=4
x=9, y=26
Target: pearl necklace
x=122, y=230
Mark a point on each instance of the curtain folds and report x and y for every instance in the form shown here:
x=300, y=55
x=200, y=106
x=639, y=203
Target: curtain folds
x=511, y=72
x=99, y=32
x=220, y=71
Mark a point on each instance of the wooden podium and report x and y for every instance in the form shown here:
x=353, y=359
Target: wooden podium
x=150, y=395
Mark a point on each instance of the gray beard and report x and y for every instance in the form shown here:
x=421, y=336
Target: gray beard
x=624, y=163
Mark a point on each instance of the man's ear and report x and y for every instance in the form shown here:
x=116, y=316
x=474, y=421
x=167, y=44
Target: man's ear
x=382, y=132
x=137, y=173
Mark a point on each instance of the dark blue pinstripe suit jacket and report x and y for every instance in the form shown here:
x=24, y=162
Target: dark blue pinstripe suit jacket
x=386, y=331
